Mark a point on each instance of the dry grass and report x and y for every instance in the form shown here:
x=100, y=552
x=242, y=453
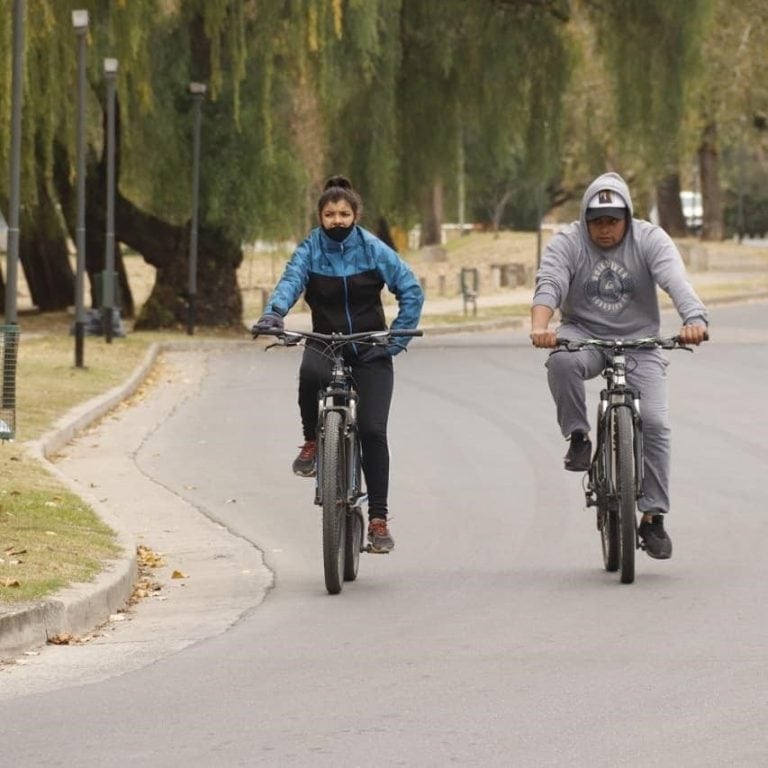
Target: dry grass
x=50, y=538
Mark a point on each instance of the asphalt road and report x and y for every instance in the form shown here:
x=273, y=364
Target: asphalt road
x=490, y=637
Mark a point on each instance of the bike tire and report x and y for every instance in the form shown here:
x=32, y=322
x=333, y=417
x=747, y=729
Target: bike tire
x=607, y=514
x=624, y=478
x=334, y=502
x=609, y=535
x=353, y=542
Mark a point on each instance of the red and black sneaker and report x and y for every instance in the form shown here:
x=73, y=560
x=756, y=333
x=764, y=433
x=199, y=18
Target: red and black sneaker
x=304, y=463
x=379, y=537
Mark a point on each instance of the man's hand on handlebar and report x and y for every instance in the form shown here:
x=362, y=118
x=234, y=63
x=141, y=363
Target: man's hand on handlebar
x=694, y=333
x=543, y=338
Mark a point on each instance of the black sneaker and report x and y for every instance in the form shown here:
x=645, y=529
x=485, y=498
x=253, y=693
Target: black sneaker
x=304, y=463
x=654, y=538
x=579, y=455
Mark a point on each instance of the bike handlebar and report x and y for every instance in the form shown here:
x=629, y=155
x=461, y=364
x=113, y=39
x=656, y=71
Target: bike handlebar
x=373, y=337
x=650, y=342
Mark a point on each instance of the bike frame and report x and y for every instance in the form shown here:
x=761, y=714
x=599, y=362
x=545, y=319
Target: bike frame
x=340, y=396
x=615, y=395
x=338, y=490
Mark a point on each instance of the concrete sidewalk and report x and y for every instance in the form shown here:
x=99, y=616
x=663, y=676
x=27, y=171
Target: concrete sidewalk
x=79, y=609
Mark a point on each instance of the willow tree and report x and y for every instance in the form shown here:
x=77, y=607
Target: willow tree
x=359, y=88
x=284, y=73
x=43, y=249
x=652, y=50
x=730, y=106
x=479, y=84
x=512, y=126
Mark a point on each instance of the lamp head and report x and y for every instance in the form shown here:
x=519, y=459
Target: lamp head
x=80, y=20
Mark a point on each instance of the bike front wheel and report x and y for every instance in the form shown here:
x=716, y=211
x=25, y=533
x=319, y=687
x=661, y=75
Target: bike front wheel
x=624, y=478
x=334, y=502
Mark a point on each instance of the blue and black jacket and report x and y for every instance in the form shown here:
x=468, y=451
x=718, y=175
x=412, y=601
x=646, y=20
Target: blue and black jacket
x=342, y=284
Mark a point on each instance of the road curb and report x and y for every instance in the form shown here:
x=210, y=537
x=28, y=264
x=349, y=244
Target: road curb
x=79, y=608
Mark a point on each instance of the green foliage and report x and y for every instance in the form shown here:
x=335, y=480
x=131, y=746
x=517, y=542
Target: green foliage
x=651, y=49
x=389, y=92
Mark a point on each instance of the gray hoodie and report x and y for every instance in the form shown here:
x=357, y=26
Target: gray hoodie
x=611, y=293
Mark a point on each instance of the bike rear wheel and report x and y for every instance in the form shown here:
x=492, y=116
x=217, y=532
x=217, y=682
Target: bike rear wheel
x=624, y=478
x=608, y=518
x=353, y=543
x=334, y=502
x=607, y=514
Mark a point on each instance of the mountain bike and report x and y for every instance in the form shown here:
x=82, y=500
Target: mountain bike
x=338, y=482
x=614, y=480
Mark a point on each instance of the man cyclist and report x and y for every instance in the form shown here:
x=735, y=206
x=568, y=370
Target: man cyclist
x=602, y=273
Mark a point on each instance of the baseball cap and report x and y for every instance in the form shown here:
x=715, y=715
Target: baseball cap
x=606, y=203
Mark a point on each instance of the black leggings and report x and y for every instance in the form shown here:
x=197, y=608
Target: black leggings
x=374, y=383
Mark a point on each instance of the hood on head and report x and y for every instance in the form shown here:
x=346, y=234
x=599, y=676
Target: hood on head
x=607, y=195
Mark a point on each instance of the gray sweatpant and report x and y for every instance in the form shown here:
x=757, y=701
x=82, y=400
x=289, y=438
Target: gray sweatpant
x=646, y=373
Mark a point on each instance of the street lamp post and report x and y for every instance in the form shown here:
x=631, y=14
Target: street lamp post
x=10, y=337
x=11, y=276
x=197, y=91
x=108, y=277
x=80, y=23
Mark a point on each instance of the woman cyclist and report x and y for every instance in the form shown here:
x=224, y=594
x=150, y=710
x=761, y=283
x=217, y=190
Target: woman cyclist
x=341, y=268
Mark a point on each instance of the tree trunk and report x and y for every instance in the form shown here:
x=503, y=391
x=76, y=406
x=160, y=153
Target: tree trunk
x=498, y=210
x=166, y=247
x=709, y=171
x=95, y=222
x=670, y=206
x=43, y=253
x=432, y=215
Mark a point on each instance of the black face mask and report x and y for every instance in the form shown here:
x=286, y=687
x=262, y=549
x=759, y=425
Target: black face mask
x=338, y=233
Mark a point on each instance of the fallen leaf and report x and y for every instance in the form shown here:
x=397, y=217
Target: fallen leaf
x=64, y=638
x=179, y=575
x=148, y=558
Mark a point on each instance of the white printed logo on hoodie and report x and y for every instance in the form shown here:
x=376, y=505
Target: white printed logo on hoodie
x=610, y=287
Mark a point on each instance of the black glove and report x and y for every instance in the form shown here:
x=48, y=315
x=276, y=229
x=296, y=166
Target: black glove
x=374, y=353
x=267, y=322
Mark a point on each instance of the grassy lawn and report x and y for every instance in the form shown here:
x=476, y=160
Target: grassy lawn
x=48, y=537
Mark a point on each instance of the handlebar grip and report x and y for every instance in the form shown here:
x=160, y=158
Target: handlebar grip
x=267, y=332
x=406, y=332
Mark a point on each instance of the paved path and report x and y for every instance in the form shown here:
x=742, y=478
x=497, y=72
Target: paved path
x=80, y=609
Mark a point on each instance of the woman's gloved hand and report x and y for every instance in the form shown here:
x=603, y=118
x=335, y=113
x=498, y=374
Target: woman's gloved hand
x=269, y=321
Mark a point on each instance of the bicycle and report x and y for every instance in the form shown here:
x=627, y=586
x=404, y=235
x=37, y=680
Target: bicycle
x=338, y=483
x=615, y=476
